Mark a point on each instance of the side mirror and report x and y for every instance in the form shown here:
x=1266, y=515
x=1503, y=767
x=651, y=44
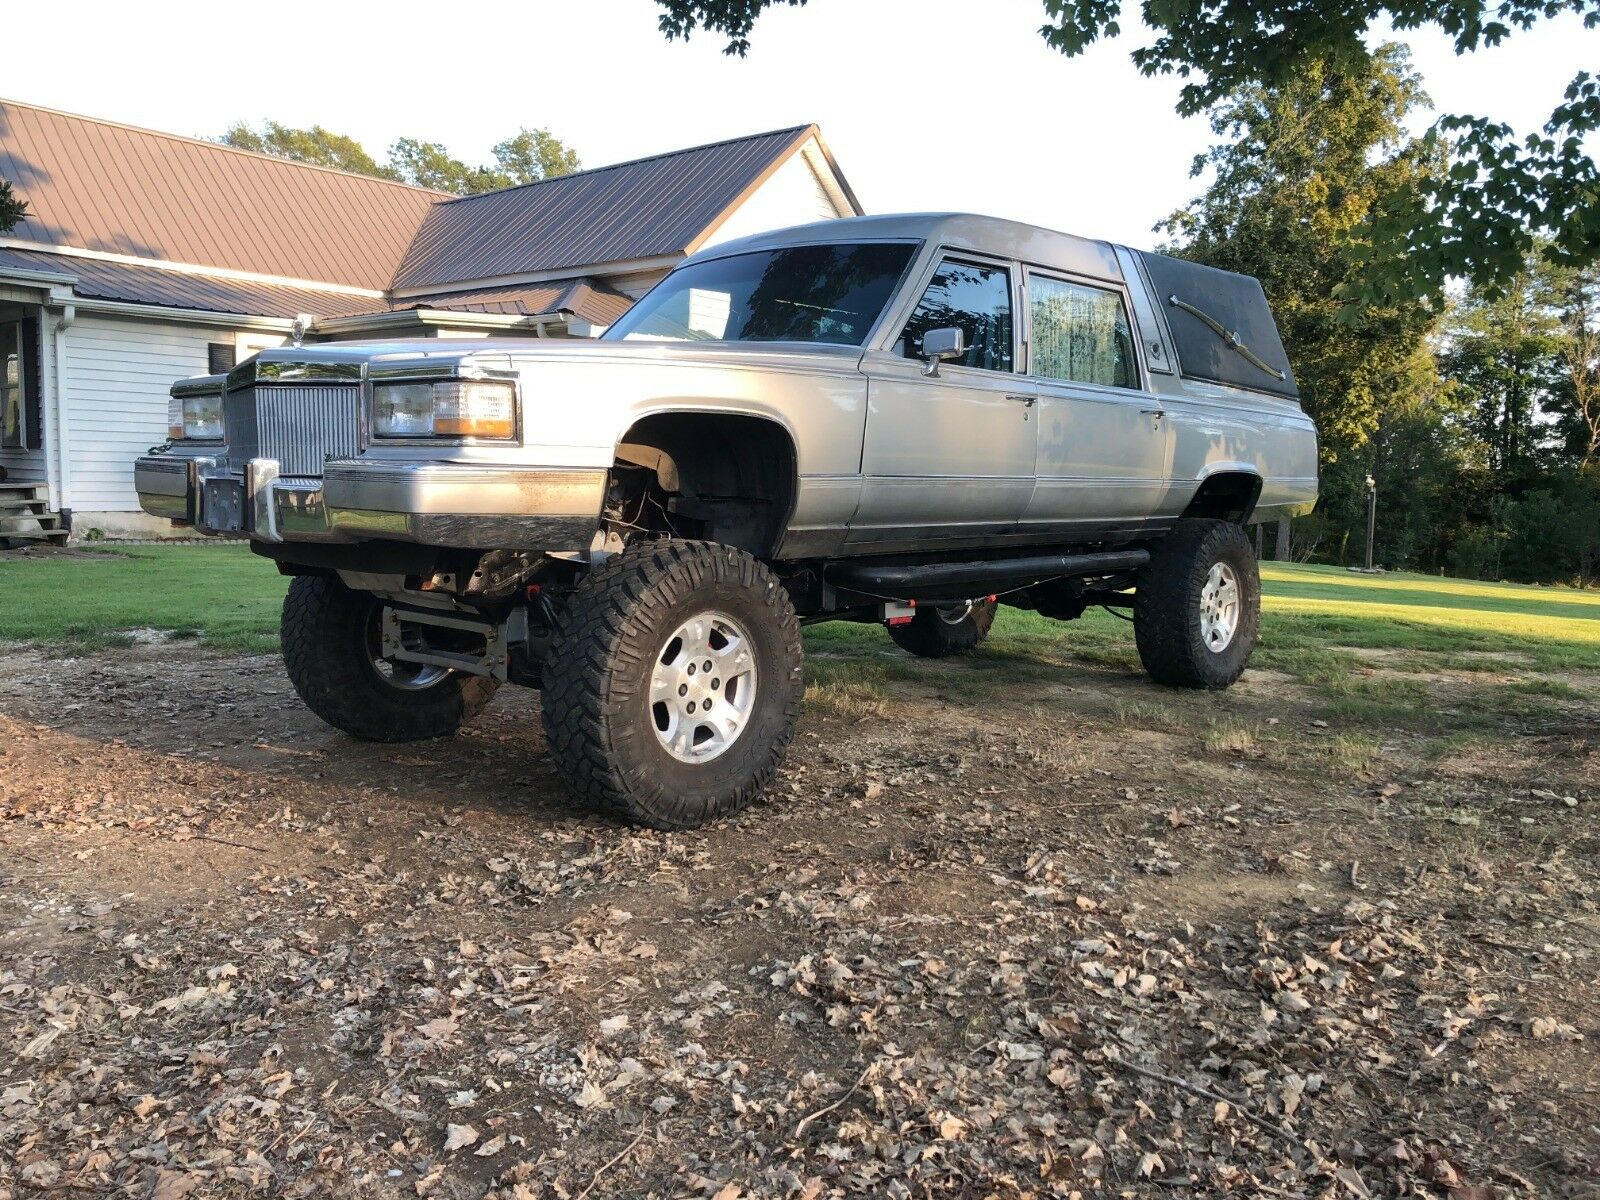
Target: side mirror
x=941, y=344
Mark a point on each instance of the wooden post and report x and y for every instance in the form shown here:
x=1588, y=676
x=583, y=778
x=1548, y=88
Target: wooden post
x=1281, y=551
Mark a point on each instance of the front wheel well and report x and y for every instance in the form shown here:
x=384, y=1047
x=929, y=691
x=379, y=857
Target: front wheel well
x=722, y=477
x=1226, y=496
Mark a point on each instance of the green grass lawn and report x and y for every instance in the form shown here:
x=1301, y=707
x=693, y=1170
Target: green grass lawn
x=227, y=597
x=221, y=595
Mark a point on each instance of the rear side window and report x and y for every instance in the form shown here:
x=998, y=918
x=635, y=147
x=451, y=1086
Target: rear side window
x=1079, y=333
x=974, y=299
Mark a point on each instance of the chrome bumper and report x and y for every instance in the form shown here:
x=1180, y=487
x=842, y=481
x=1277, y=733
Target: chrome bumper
x=472, y=506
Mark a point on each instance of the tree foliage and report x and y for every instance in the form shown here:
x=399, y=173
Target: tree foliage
x=526, y=157
x=316, y=145
x=1291, y=192
x=12, y=209
x=1578, y=408
x=1504, y=353
x=1472, y=423
x=1476, y=222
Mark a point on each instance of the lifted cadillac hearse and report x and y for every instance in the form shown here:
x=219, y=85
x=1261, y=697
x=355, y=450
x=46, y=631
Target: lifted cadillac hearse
x=905, y=419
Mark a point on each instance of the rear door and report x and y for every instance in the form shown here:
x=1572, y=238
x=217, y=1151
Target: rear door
x=1105, y=441
x=949, y=456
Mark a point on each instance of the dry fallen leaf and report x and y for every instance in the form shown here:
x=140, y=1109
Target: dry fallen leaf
x=457, y=1136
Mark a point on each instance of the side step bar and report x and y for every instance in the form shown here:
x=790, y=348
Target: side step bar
x=924, y=580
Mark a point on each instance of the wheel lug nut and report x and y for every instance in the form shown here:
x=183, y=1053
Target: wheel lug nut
x=683, y=689
x=708, y=664
x=715, y=684
x=691, y=706
x=691, y=668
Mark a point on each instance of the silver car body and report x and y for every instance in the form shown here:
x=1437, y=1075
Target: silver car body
x=888, y=459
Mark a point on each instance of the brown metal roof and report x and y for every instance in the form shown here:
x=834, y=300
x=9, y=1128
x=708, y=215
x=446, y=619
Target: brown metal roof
x=96, y=185
x=633, y=210
x=586, y=298
x=101, y=280
x=100, y=186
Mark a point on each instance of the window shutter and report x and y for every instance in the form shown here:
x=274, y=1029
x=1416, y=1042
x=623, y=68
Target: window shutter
x=222, y=357
x=32, y=402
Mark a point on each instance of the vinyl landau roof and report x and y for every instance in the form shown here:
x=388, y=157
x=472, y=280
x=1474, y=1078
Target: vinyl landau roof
x=111, y=188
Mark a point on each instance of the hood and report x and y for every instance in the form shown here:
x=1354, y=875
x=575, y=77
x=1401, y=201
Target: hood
x=350, y=362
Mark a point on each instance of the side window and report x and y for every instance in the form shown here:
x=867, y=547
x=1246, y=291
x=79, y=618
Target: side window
x=13, y=434
x=973, y=299
x=1079, y=333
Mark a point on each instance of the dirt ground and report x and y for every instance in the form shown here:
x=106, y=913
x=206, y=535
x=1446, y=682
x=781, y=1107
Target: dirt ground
x=1051, y=939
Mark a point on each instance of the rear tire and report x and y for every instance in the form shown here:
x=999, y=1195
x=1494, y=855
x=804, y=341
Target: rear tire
x=628, y=662
x=943, y=632
x=330, y=647
x=1197, y=606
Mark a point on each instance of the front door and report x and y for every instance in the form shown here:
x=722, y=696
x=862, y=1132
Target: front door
x=1105, y=443
x=948, y=456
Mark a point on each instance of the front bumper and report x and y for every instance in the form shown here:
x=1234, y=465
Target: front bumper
x=473, y=506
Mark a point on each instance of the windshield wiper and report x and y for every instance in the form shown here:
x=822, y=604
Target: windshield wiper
x=1229, y=338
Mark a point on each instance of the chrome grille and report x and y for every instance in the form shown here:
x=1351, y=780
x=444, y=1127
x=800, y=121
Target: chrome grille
x=301, y=427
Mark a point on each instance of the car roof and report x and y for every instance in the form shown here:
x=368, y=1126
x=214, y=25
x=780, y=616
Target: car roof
x=960, y=231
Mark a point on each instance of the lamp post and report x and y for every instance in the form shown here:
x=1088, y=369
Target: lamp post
x=1372, y=515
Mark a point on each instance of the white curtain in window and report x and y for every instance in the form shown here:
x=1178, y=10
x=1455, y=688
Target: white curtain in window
x=1079, y=333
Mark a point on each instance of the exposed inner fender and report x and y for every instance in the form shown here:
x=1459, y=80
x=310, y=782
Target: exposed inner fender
x=726, y=477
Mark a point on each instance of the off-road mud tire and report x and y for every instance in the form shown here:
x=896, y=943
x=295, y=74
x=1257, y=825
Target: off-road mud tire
x=1166, y=605
x=325, y=631
x=597, y=714
x=930, y=635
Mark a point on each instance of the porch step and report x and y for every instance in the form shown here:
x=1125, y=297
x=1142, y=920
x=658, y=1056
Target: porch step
x=25, y=514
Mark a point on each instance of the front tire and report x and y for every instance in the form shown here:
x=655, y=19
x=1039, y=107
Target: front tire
x=943, y=632
x=1197, y=606
x=638, y=724
x=331, y=649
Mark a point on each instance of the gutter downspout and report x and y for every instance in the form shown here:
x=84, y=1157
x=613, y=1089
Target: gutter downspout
x=69, y=314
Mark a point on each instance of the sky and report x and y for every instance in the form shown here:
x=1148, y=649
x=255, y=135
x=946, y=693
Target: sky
x=926, y=104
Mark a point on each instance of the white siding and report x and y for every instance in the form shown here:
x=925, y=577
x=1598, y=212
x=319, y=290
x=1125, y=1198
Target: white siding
x=794, y=195
x=118, y=374
x=636, y=283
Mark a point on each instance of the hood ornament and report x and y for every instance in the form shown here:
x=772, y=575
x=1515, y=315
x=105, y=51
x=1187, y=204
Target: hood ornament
x=302, y=324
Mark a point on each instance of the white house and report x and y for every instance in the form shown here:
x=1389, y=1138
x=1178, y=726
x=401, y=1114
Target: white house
x=146, y=257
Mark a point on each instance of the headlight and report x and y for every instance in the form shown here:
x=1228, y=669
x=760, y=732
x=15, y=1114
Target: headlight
x=202, y=417
x=449, y=408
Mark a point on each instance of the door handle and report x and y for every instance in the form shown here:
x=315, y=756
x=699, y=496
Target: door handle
x=1027, y=400
x=1157, y=413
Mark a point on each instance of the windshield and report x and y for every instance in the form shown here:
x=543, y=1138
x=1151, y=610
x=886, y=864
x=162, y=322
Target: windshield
x=796, y=294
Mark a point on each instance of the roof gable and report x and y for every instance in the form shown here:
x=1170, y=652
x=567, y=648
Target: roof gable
x=97, y=185
x=622, y=213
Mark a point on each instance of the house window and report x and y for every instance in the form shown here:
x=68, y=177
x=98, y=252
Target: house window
x=1079, y=334
x=974, y=299
x=13, y=373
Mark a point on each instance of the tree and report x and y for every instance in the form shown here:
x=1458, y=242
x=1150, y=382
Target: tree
x=526, y=157
x=12, y=209
x=1504, y=351
x=534, y=154
x=429, y=165
x=1477, y=222
x=1293, y=185
x=315, y=145
x=1578, y=406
